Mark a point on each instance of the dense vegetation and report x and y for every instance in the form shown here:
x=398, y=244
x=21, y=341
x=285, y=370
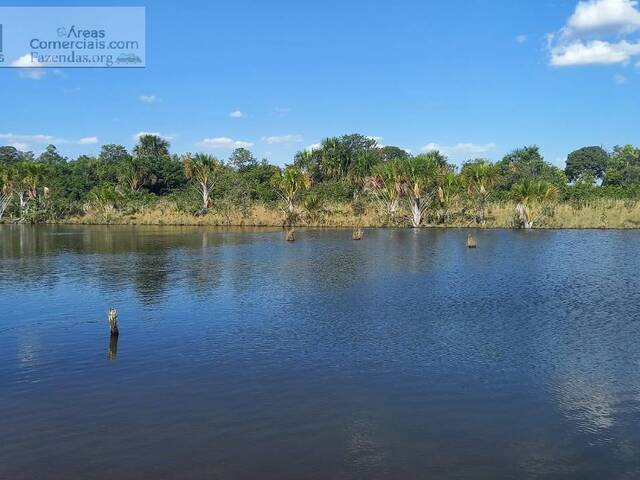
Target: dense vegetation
x=352, y=171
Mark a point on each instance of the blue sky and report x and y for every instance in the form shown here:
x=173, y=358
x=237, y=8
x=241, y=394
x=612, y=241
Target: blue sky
x=475, y=78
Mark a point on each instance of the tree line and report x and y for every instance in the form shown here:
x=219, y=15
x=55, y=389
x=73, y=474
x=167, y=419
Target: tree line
x=403, y=189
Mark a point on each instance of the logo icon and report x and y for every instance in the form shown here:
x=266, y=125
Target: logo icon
x=62, y=32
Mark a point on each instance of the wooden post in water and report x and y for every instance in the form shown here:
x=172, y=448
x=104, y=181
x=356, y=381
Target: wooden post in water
x=357, y=234
x=290, y=235
x=471, y=241
x=112, y=316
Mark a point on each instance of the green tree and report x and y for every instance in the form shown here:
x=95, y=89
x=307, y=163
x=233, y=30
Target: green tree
x=51, y=156
x=151, y=146
x=291, y=183
x=242, y=159
x=593, y=160
x=204, y=171
x=479, y=177
x=533, y=198
x=420, y=174
x=387, y=185
x=623, y=168
x=526, y=163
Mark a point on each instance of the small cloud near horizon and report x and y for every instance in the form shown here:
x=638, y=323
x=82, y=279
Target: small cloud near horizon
x=289, y=138
x=148, y=98
x=223, y=143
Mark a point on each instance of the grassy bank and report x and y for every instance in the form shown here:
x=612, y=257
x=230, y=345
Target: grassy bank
x=601, y=213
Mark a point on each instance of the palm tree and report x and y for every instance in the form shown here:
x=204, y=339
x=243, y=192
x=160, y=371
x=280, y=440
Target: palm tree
x=446, y=194
x=387, y=185
x=134, y=172
x=7, y=188
x=28, y=177
x=420, y=175
x=532, y=199
x=205, y=171
x=290, y=184
x=479, y=178
x=151, y=146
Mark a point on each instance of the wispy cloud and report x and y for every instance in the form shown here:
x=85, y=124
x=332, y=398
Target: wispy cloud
x=28, y=68
x=521, y=38
x=313, y=146
x=25, y=141
x=460, y=148
x=223, y=143
x=290, y=138
x=619, y=79
x=148, y=98
x=236, y=114
x=584, y=39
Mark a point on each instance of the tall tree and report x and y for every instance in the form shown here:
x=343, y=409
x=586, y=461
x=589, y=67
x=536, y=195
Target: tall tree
x=242, y=159
x=51, y=156
x=420, y=174
x=204, y=171
x=479, y=177
x=593, y=160
x=151, y=146
x=291, y=183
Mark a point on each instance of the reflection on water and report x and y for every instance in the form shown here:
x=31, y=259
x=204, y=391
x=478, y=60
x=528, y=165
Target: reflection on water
x=112, y=353
x=405, y=355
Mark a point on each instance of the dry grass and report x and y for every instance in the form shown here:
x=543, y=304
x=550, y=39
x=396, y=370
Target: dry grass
x=596, y=214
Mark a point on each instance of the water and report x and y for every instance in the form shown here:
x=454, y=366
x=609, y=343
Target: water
x=405, y=355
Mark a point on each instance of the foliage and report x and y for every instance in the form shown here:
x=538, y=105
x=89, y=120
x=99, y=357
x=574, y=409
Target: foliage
x=586, y=160
x=534, y=199
x=349, y=170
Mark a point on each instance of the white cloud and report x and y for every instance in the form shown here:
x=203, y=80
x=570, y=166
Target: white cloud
x=521, y=38
x=595, y=52
x=223, y=142
x=28, y=68
x=460, y=148
x=290, y=138
x=236, y=114
x=157, y=134
x=603, y=17
x=313, y=146
x=148, y=98
x=584, y=40
x=619, y=79
x=24, y=141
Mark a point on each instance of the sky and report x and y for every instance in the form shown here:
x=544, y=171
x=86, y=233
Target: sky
x=473, y=78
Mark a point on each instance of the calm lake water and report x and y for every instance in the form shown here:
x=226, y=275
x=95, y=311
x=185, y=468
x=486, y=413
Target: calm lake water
x=242, y=356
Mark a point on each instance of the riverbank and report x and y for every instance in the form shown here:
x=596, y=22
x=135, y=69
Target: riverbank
x=596, y=214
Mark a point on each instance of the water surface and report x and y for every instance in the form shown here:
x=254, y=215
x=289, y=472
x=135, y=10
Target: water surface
x=405, y=355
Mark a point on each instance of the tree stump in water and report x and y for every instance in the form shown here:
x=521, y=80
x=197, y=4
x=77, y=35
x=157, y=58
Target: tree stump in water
x=112, y=316
x=471, y=242
x=290, y=236
x=357, y=234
